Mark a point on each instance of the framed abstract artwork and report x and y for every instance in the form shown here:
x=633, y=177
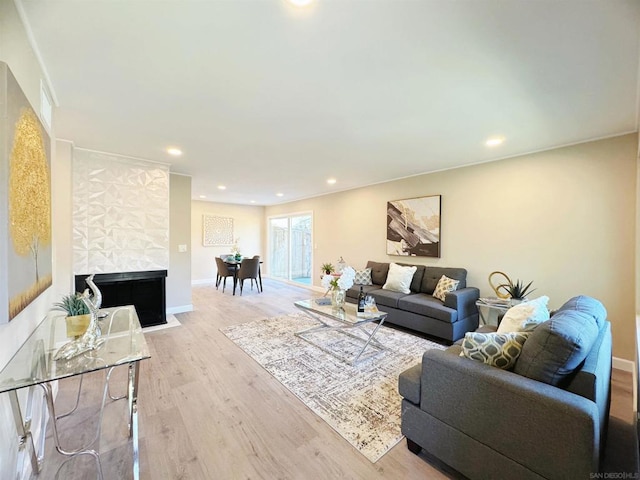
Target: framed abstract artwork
x=25, y=200
x=217, y=230
x=413, y=227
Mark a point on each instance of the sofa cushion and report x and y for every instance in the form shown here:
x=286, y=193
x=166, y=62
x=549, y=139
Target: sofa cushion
x=525, y=316
x=444, y=286
x=399, y=278
x=363, y=277
x=432, y=276
x=387, y=298
x=496, y=349
x=379, y=271
x=558, y=346
x=409, y=383
x=588, y=305
x=416, y=282
x=354, y=291
x=423, y=304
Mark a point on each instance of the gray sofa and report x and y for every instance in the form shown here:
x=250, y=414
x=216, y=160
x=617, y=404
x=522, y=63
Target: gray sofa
x=419, y=310
x=545, y=419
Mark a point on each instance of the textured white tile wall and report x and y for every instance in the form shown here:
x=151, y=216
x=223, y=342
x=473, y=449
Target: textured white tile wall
x=120, y=213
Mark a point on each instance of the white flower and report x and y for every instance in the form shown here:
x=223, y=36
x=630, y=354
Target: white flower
x=339, y=282
x=345, y=282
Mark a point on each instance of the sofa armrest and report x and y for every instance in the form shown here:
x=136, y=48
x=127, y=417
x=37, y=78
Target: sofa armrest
x=463, y=300
x=522, y=419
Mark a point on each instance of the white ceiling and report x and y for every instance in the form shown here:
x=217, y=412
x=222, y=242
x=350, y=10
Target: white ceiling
x=264, y=97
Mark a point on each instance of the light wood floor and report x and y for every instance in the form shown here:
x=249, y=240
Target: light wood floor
x=208, y=411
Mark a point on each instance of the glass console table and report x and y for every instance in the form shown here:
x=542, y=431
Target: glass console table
x=33, y=364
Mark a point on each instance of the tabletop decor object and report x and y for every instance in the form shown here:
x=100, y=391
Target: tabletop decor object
x=78, y=315
x=338, y=285
x=515, y=291
x=327, y=268
x=90, y=340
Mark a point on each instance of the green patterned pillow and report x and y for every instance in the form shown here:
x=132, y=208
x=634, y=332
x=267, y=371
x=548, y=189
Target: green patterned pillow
x=444, y=286
x=496, y=349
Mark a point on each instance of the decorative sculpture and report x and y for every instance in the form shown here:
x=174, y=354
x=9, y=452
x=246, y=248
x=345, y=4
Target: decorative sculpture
x=497, y=288
x=97, y=294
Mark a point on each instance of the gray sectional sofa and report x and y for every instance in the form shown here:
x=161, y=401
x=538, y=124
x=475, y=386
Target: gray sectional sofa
x=544, y=419
x=419, y=310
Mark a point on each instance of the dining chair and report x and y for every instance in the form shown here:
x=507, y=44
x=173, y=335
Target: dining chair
x=224, y=271
x=249, y=269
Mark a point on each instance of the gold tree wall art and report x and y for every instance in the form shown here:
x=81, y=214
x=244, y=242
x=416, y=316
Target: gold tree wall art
x=28, y=250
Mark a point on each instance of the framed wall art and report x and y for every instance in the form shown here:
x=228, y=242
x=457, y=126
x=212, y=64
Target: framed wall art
x=26, y=264
x=413, y=227
x=217, y=230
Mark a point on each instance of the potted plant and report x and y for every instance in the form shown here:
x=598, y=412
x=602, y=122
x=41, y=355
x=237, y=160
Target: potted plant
x=78, y=315
x=327, y=268
x=517, y=290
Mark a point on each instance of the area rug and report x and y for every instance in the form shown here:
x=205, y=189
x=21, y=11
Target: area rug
x=359, y=402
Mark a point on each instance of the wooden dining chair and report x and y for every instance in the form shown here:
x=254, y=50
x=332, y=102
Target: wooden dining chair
x=249, y=270
x=224, y=271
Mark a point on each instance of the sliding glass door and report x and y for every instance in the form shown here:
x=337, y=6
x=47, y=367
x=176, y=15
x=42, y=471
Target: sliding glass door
x=290, y=251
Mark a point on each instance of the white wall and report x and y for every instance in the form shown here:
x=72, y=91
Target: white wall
x=563, y=218
x=248, y=227
x=179, y=274
x=16, y=51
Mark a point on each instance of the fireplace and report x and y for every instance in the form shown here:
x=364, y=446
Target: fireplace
x=144, y=290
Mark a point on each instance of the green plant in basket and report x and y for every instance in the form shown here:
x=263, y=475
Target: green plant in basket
x=72, y=304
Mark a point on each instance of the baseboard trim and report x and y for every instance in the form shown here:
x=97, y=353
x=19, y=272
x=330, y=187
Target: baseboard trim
x=623, y=364
x=180, y=309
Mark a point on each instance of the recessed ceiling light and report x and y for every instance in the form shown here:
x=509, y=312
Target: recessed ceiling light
x=176, y=152
x=300, y=3
x=279, y=194
x=221, y=187
x=253, y=201
x=331, y=181
x=494, y=141
x=203, y=196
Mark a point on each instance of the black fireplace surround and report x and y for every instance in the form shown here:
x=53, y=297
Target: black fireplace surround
x=144, y=290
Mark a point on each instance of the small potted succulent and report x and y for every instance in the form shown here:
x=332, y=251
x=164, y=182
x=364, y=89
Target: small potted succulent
x=518, y=291
x=78, y=315
x=327, y=268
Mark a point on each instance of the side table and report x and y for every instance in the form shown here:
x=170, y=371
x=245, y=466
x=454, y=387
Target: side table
x=491, y=309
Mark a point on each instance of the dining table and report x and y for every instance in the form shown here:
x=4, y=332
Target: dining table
x=236, y=266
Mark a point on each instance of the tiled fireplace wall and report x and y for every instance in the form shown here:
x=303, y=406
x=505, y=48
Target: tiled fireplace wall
x=120, y=214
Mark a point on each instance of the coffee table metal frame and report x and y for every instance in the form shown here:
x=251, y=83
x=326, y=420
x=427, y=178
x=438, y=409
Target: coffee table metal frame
x=342, y=320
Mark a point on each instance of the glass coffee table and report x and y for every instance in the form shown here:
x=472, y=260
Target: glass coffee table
x=347, y=321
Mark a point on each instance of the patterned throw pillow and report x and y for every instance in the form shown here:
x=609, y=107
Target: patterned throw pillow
x=363, y=277
x=496, y=349
x=444, y=286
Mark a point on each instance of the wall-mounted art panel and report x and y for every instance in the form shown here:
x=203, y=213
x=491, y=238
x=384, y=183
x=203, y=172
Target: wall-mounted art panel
x=25, y=201
x=217, y=230
x=413, y=227
x=120, y=214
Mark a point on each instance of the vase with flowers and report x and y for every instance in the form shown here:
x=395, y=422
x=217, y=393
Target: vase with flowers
x=338, y=284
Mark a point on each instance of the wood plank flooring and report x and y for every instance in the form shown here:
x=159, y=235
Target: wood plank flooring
x=208, y=411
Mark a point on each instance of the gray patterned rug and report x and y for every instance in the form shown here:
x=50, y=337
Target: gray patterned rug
x=360, y=402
